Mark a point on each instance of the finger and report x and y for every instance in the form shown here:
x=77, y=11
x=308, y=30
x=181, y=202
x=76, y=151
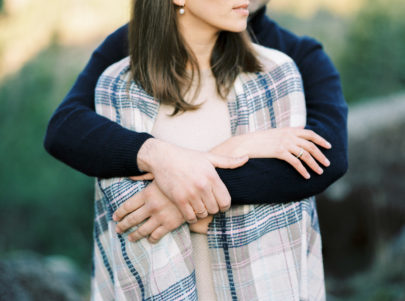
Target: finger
x=314, y=137
x=209, y=200
x=144, y=230
x=314, y=151
x=227, y=162
x=188, y=213
x=130, y=205
x=157, y=234
x=199, y=208
x=145, y=177
x=133, y=219
x=307, y=158
x=297, y=164
x=221, y=194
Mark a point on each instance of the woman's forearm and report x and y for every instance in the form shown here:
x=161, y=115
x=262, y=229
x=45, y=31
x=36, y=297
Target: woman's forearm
x=293, y=145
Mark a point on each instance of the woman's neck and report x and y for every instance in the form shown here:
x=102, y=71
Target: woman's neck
x=200, y=37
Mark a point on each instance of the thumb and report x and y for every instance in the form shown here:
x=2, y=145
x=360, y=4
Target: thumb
x=227, y=162
x=145, y=177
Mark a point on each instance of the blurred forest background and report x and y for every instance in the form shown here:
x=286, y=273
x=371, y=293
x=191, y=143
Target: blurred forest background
x=46, y=208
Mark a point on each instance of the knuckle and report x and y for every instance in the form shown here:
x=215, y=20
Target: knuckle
x=171, y=225
x=180, y=198
x=182, y=201
x=126, y=206
x=189, y=214
x=155, y=207
x=281, y=150
x=142, y=232
x=155, y=237
x=131, y=219
x=191, y=220
x=226, y=201
x=118, y=228
x=202, y=184
x=306, y=156
x=211, y=177
x=213, y=210
x=224, y=208
x=312, y=147
x=296, y=163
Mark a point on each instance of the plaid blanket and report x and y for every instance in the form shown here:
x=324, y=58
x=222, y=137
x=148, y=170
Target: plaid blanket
x=258, y=252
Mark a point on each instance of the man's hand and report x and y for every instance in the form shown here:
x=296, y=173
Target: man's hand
x=292, y=145
x=151, y=204
x=188, y=178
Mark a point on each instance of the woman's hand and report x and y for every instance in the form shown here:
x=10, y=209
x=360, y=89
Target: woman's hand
x=187, y=177
x=151, y=204
x=292, y=145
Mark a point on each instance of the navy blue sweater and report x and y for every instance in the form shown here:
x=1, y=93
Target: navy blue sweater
x=99, y=147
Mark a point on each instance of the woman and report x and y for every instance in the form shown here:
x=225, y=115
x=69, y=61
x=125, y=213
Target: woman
x=193, y=79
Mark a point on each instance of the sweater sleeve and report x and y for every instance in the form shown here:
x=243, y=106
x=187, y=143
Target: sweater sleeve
x=84, y=140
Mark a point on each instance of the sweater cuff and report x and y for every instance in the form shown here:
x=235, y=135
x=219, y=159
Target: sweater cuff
x=125, y=157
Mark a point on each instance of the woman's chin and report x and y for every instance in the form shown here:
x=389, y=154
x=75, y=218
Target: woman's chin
x=237, y=26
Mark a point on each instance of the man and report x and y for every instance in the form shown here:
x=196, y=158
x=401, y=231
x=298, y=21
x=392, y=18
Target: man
x=98, y=147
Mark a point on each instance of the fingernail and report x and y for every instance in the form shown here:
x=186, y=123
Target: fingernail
x=117, y=230
x=329, y=145
x=308, y=176
x=327, y=162
x=114, y=217
x=320, y=171
x=131, y=239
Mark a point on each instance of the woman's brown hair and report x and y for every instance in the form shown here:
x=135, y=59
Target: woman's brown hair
x=159, y=55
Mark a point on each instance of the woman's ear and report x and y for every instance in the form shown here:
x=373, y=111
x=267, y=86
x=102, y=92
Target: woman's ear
x=179, y=2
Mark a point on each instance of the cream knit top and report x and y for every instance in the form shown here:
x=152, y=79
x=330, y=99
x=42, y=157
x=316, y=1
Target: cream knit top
x=201, y=130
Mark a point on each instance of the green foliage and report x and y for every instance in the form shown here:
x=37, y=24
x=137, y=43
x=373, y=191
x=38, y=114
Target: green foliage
x=45, y=206
x=373, y=59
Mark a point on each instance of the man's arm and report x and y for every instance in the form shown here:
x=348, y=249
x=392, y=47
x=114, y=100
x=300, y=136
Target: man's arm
x=84, y=140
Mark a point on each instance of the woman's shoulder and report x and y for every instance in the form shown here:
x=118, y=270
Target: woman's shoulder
x=271, y=58
x=114, y=78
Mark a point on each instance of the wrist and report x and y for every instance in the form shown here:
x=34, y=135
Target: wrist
x=242, y=143
x=147, y=153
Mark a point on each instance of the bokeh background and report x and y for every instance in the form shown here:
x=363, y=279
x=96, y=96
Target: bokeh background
x=46, y=208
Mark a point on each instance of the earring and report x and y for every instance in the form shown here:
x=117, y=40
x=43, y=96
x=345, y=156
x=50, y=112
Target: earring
x=182, y=11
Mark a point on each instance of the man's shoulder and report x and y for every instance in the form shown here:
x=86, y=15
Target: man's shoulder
x=271, y=34
x=118, y=69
